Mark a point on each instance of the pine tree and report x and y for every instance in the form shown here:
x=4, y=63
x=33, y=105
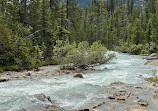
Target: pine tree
x=102, y=22
x=148, y=32
x=35, y=15
x=132, y=6
x=63, y=32
x=137, y=35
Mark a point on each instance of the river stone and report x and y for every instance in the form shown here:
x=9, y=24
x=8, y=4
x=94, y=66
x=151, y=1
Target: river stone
x=117, y=83
x=142, y=102
x=78, y=76
x=155, y=95
x=89, y=110
x=137, y=108
x=97, y=105
x=122, y=90
x=27, y=74
x=144, y=54
x=43, y=97
x=4, y=80
x=152, y=62
x=84, y=110
x=55, y=109
x=153, y=55
x=119, y=96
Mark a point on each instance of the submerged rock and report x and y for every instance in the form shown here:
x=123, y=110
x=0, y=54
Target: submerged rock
x=78, y=76
x=46, y=99
x=43, y=97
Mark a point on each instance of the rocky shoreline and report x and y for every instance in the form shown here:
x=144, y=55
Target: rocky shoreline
x=151, y=59
x=126, y=97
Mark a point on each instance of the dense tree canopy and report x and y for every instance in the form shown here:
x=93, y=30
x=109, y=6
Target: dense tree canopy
x=29, y=29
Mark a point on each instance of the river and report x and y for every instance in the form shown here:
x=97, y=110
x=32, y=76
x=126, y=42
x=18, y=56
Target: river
x=73, y=93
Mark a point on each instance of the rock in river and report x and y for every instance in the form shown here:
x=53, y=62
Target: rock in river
x=142, y=102
x=137, y=108
x=4, y=80
x=78, y=76
x=42, y=97
x=151, y=57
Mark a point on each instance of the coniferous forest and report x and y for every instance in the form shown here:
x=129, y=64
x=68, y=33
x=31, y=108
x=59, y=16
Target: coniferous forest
x=42, y=32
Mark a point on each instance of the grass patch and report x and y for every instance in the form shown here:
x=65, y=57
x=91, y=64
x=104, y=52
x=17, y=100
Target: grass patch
x=153, y=80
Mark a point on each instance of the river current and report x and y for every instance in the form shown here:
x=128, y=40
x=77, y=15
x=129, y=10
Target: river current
x=73, y=93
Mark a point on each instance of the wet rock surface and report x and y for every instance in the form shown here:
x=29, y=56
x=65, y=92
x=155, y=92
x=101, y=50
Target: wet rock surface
x=152, y=59
x=126, y=97
x=152, y=62
x=49, y=104
x=4, y=80
x=78, y=76
x=152, y=56
x=137, y=108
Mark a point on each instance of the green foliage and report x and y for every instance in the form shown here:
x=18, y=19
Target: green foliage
x=10, y=68
x=1, y=70
x=81, y=55
x=29, y=35
x=135, y=49
x=150, y=48
x=97, y=53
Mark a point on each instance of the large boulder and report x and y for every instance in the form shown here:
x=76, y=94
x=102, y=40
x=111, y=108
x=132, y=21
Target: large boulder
x=78, y=75
x=151, y=57
x=43, y=97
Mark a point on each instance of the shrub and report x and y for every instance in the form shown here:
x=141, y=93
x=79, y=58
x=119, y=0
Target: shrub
x=1, y=70
x=135, y=49
x=79, y=56
x=10, y=68
x=150, y=48
x=96, y=53
x=124, y=48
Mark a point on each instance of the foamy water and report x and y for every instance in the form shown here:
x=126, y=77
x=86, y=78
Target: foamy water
x=73, y=93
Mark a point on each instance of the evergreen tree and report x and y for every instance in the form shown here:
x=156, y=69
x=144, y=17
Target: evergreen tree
x=137, y=34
